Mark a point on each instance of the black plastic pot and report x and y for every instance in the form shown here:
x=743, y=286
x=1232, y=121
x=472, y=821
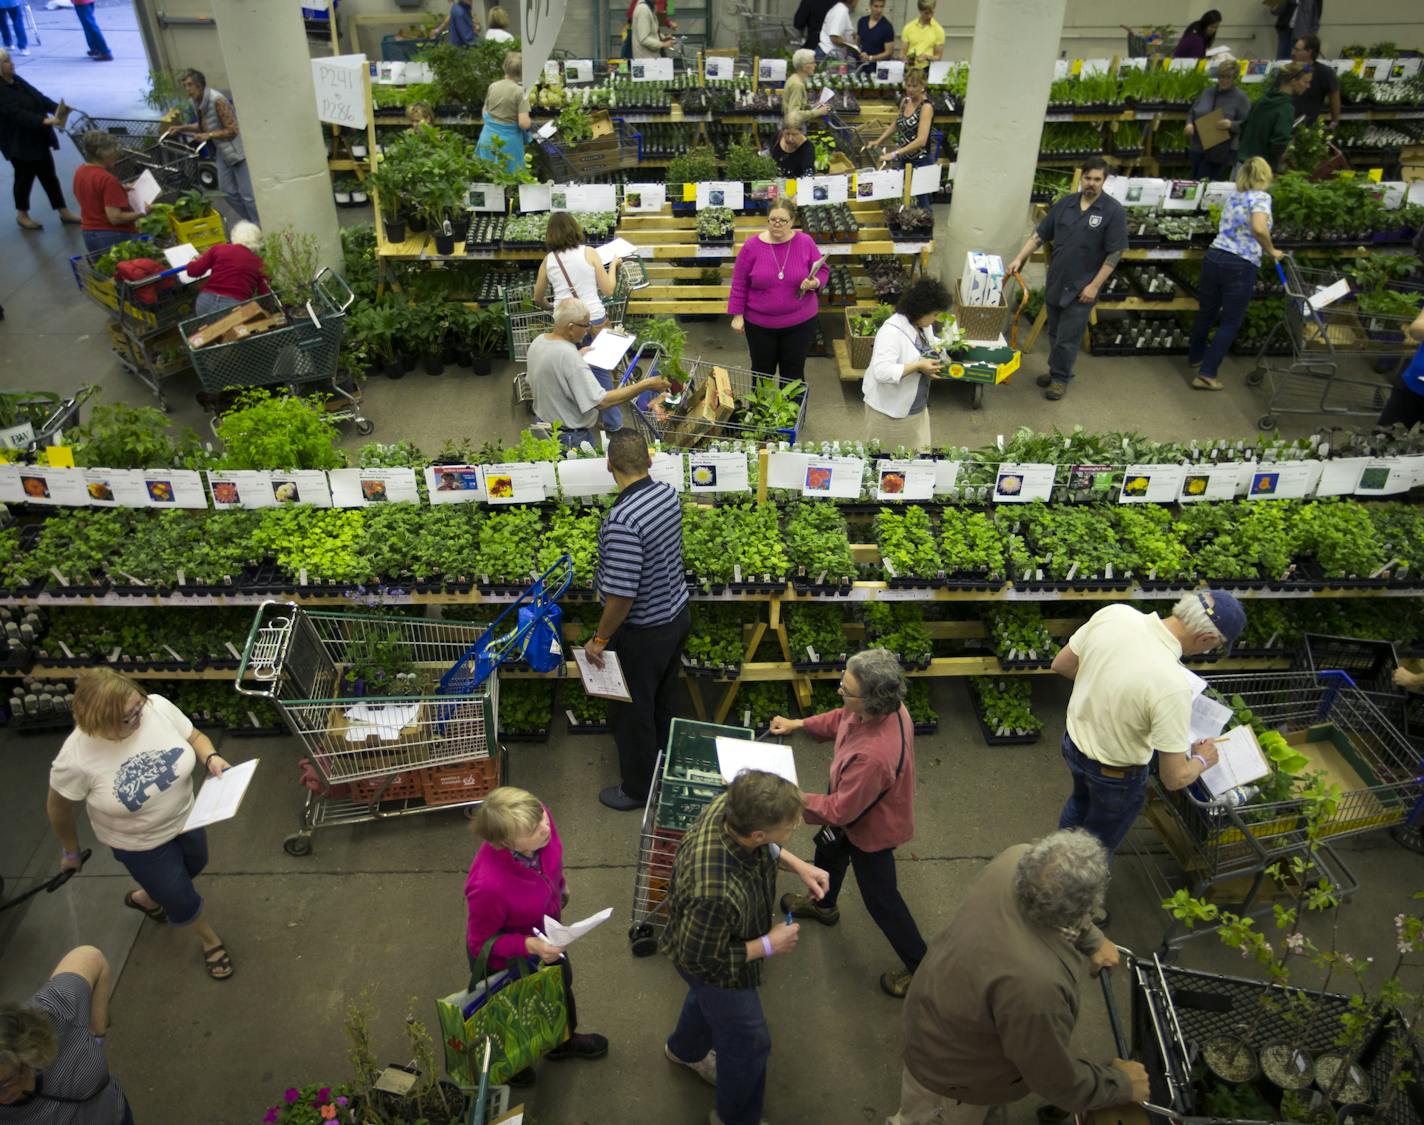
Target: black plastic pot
x=393, y=369
x=444, y=244
x=414, y=222
x=433, y=364
x=482, y=364
x=395, y=229
x=460, y=225
x=408, y=360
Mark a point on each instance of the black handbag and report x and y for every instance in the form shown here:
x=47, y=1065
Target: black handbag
x=830, y=834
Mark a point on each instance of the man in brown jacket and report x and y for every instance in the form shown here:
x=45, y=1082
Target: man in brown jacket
x=993, y=1005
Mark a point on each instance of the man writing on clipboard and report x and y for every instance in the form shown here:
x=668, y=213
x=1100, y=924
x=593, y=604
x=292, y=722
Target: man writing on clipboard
x=645, y=617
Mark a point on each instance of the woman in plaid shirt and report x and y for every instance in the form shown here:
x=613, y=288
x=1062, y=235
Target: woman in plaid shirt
x=720, y=927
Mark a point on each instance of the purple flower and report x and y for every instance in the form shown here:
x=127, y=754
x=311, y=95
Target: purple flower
x=293, y=1095
x=270, y=1117
x=341, y=1099
x=324, y=1094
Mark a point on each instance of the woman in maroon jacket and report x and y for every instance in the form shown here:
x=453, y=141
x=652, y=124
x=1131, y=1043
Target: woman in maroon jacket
x=517, y=878
x=869, y=811
x=236, y=273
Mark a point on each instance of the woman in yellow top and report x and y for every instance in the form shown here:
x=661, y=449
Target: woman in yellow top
x=923, y=38
x=793, y=95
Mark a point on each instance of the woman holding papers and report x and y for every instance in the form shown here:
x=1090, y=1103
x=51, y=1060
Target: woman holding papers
x=130, y=762
x=896, y=386
x=869, y=811
x=793, y=94
x=104, y=207
x=775, y=283
x=573, y=269
x=235, y=272
x=27, y=140
x=516, y=879
x=1226, y=106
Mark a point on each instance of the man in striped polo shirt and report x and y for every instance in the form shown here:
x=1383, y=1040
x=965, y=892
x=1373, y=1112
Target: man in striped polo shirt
x=645, y=618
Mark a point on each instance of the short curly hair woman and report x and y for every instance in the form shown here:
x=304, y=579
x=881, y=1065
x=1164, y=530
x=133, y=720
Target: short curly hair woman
x=870, y=806
x=896, y=386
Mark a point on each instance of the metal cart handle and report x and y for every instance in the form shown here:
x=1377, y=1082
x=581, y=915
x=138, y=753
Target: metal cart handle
x=266, y=650
x=328, y=277
x=1120, y=1044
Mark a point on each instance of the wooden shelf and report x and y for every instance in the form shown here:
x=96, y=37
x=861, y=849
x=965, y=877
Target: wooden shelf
x=47, y=672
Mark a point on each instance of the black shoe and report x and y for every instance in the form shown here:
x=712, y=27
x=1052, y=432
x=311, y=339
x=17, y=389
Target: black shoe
x=616, y=799
x=584, y=1045
x=524, y=1078
x=1051, y=1114
x=1043, y=380
x=102, y=58
x=1055, y=392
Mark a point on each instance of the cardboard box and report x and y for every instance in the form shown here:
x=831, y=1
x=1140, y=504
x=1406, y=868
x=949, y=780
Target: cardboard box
x=253, y=327
x=601, y=124
x=214, y=331
x=712, y=404
x=982, y=283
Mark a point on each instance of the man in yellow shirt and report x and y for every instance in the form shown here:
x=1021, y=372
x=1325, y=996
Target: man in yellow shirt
x=924, y=37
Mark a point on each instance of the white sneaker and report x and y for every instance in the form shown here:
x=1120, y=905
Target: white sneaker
x=705, y=1068
x=713, y=1119
x=23, y=51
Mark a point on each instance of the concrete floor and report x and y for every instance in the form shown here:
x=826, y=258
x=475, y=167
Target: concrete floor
x=378, y=908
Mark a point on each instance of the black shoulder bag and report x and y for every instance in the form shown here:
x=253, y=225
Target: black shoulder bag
x=830, y=835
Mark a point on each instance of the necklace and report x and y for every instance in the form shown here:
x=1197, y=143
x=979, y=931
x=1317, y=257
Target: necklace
x=781, y=265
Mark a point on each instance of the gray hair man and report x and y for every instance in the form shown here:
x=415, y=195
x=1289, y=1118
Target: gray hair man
x=991, y=1012
x=868, y=810
x=1132, y=698
x=565, y=388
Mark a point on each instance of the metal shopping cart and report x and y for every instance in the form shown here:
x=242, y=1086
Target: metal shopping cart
x=1324, y=331
x=1222, y=851
x=41, y=421
x=765, y=34
x=526, y=319
x=686, y=779
x=574, y=163
x=148, y=146
x=302, y=353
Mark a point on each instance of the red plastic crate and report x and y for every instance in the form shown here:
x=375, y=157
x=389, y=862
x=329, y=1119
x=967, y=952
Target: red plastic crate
x=404, y=785
x=459, y=782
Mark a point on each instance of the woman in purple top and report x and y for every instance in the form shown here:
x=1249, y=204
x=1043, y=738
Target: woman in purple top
x=774, y=294
x=1198, y=37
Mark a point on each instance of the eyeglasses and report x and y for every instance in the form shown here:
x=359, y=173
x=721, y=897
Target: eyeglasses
x=133, y=716
x=778, y=222
x=581, y=323
x=840, y=687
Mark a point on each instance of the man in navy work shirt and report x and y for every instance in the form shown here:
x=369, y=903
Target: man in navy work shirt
x=1088, y=230
x=645, y=617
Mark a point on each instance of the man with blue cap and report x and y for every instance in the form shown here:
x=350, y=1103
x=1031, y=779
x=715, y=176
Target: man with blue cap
x=1132, y=698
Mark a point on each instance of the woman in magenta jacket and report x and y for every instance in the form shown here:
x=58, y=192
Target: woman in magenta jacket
x=518, y=877
x=870, y=805
x=774, y=299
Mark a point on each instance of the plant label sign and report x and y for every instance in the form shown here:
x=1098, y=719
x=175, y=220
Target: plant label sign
x=514, y=482
x=925, y=179
x=586, y=476
x=1283, y=480
x=904, y=480
x=17, y=437
x=1216, y=194
x=534, y=197
x=1182, y=195
x=836, y=478
x=1091, y=67
x=644, y=197
x=822, y=189
x=1144, y=192
x=361, y=488
x=1023, y=483
x=340, y=84
x=652, y=70
x=716, y=69
x=586, y=197
x=578, y=71
x=946, y=477
x=718, y=472
x=1151, y=484
x=34, y=484
x=889, y=184
x=1340, y=476
x=667, y=468
x=786, y=470
x=454, y=484
x=771, y=70
x=1209, y=482
x=1388, y=476
x=889, y=72
x=485, y=197
x=939, y=72
x=720, y=193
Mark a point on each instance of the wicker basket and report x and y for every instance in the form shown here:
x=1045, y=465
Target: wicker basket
x=980, y=322
x=860, y=347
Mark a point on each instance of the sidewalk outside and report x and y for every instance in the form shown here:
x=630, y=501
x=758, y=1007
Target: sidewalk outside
x=59, y=65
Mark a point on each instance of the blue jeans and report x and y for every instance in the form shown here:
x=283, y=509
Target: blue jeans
x=572, y=439
x=96, y=240
x=167, y=873
x=235, y=182
x=729, y=1020
x=92, y=34
x=613, y=417
x=13, y=15
x=1227, y=281
x=1204, y=169
x=212, y=302
x=1066, y=325
x=1104, y=805
x=1285, y=40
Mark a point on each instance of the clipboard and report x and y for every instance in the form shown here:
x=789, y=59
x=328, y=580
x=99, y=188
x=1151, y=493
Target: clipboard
x=1210, y=130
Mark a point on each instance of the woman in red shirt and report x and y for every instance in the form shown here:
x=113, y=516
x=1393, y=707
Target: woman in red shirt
x=104, y=214
x=235, y=272
x=869, y=810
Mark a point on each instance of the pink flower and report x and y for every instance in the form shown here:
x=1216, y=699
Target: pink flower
x=324, y=1094
x=293, y=1095
x=328, y=1112
x=271, y=1116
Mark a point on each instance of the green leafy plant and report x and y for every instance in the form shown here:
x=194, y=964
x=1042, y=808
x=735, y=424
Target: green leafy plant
x=746, y=164
x=292, y=259
x=695, y=166
x=818, y=542
x=1006, y=705
x=772, y=406
x=869, y=323
x=908, y=545
x=263, y=431
x=575, y=125
x=715, y=223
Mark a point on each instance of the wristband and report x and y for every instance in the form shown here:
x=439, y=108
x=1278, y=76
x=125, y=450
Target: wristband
x=1199, y=758
x=766, y=949
x=71, y=855
x=601, y=640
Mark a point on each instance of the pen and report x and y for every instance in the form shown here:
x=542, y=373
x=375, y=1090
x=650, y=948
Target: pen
x=540, y=935
x=790, y=918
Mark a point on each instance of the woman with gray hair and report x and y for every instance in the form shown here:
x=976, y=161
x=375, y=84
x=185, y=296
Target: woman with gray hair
x=793, y=94
x=105, y=216
x=869, y=809
x=235, y=272
x=52, y=1066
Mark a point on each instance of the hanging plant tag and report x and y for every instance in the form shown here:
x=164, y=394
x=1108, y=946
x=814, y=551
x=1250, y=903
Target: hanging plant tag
x=737, y=572
x=302, y=577
x=235, y=654
x=118, y=652
x=65, y=649
x=63, y=581
x=175, y=655
x=811, y=652
x=821, y=579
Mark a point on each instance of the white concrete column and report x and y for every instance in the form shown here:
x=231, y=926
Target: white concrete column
x=1010, y=72
x=264, y=45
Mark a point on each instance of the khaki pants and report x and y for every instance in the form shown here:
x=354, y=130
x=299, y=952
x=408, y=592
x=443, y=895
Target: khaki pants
x=921, y=1106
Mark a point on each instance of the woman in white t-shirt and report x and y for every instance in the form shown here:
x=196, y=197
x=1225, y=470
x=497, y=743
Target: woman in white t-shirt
x=499, y=26
x=572, y=269
x=130, y=763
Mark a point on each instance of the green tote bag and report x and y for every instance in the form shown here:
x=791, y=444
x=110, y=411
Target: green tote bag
x=522, y=1011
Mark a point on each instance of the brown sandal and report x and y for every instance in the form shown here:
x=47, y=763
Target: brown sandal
x=219, y=967
x=1207, y=383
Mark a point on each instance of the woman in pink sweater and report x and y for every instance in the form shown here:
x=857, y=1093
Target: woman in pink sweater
x=774, y=294
x=518, y=877
x=869, y=810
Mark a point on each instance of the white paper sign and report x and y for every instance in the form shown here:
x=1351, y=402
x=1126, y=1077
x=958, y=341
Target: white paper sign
x=737, y=754
x=240, y=488
x=556, y=933
x=586, y=476
x=718, y=472
x=786, y=470
x=303, y=486
x=1182, y=195
x=1060, y=68
x=1183, y=64
x=1415, y=195
x=925, y=179
x=1144, y=192
x=10, y=490
x=1376, y=70
x=771, y=70
x=115, y=488
x=889, y=184
x=1340, y=476
x=1404, y=68
x=52, y=487
x=181, y=255
x=454, y=484
x=667, y=468
x=538, y=34
x=1328, y=294
x=174, y=488
x=485, y=197
x=716, y=69
x=1094, y=66
x=946, y=475
x=219, y=797
x=144, y=191
x=811, y=190
x=1216, y=194
x=939, y=72
x=889, y=72
x=360, y=488
x=577, y=71
x=583, y=197
x=904, y=480
x=651, y=70
x=1208, y=482
x=1021, y=484
x=644, y=197
x=17, y=437
x=833, y=477
x=1391, y=194
x=1283, y=480
x=1151, y=484
x=546, y=130
x=720, y=193
x=533, y=197
x=1386, y=476
x=514, y=482
x=340, y=84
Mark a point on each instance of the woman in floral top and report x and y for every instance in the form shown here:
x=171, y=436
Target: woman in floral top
x=1229, y=271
